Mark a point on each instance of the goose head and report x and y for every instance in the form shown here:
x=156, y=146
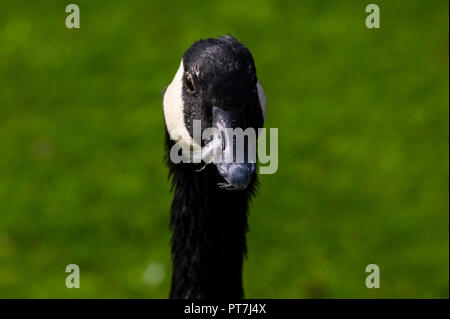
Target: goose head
x=216, y=84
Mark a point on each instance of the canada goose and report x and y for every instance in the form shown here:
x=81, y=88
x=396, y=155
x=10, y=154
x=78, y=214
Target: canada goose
x=216, y=84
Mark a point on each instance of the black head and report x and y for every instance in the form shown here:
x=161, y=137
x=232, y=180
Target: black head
x=216, y=84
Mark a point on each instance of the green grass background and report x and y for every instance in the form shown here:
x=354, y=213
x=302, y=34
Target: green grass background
x=363, y=119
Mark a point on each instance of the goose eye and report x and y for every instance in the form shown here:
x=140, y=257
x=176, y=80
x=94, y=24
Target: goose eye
x=189, y=82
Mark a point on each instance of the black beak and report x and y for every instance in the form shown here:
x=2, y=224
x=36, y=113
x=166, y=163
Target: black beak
x=237, y=169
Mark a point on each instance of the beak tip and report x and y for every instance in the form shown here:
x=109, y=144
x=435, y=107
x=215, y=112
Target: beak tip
x=239, y=175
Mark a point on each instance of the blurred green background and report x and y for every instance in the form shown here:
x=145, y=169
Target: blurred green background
x=363, y=118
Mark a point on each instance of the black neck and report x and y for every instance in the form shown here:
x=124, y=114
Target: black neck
x=209, y=226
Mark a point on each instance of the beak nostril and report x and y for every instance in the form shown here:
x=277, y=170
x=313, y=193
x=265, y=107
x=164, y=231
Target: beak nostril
x=222, y=134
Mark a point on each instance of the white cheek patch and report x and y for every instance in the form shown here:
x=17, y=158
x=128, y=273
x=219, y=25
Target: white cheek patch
x=174, y=110
x=262, y=99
